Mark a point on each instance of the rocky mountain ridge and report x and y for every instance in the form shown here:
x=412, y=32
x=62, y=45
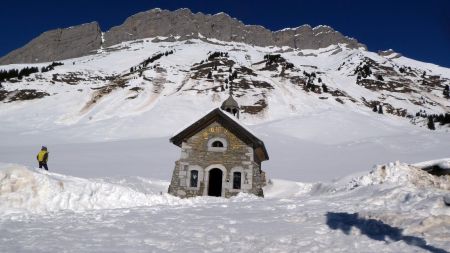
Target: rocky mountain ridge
x=182, y=24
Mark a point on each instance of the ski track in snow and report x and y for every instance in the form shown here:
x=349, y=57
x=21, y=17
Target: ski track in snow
x=394, y=208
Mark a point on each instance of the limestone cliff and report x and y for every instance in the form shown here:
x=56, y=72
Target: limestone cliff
x=184, y=24
x=181, y=24
x=58, y=44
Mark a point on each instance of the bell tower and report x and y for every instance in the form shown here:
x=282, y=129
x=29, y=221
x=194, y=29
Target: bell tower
x=231, y=106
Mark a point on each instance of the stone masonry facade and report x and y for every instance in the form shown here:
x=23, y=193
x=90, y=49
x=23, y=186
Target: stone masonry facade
x=197, y=153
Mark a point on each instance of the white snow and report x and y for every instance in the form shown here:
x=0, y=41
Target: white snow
x=442, y=163
x=120, y=158
x=37, y=191
x=297, y=128
x=394, y=208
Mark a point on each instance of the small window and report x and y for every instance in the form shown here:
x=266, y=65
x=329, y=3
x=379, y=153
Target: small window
x=194, y=178
x=217, y=144
x=237, y=180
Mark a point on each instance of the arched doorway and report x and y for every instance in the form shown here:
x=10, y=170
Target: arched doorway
x=215, y=183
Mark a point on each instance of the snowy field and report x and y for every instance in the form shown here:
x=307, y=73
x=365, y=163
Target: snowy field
x=111, y=160
x=115, y=201
x=396, y=208
x=350, y=141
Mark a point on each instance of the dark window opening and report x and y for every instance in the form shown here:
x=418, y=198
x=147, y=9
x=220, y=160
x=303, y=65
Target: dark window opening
x=228, y=110
x=237, y=180
x=234, y=111
x=217, y=144
x=194, y=178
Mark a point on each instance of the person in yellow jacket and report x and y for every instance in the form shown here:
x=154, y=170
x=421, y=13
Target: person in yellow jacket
x=42, y=158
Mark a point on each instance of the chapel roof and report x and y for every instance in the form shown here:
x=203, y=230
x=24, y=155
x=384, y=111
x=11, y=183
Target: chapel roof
x=227, y=121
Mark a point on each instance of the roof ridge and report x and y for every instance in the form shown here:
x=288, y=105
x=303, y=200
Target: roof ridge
x=245, y=134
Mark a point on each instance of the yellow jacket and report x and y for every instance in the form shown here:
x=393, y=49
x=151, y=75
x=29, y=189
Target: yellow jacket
x=42, y=156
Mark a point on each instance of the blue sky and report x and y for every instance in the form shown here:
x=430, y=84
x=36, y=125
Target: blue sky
x=417, y=29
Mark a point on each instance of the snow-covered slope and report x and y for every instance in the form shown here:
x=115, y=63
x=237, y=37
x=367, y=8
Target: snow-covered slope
x=395, y=208
x=117, y=86
x=115, y=96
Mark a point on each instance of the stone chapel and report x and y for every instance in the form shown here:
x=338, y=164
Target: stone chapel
x=219, y=156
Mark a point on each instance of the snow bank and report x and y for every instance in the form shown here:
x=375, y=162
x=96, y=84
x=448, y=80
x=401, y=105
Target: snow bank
x=278, y=188
x=35, y=191
x=24, y=190
x=399, y=193
x=442, y=163
x=401, y=174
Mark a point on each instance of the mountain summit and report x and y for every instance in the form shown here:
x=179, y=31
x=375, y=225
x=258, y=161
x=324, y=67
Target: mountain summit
x=182, y=24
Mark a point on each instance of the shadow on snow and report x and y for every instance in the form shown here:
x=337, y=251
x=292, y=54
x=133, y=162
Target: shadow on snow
x=376, y=230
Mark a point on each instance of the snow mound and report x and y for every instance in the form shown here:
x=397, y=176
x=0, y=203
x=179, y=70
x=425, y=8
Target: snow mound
x=278, y=188
x=441, y=163
x=401, y=174
x=24, y=190
x=35, y=191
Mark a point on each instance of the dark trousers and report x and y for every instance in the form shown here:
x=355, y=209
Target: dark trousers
x=43, y=164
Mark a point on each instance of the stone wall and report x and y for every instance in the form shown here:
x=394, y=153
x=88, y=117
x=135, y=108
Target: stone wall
x=197, y=154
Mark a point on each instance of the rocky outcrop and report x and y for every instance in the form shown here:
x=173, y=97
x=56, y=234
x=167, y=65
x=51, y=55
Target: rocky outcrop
x=306, y=37
x=181, y=24
x=58, y=44
x=184, y=24
x=391, y=54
